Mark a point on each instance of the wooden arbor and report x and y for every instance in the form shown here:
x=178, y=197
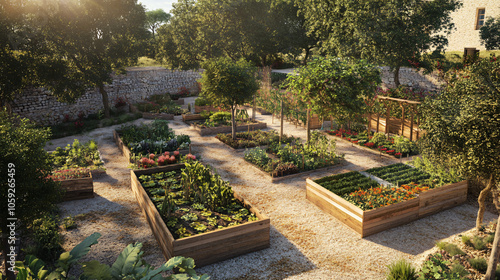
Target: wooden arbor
x=394, y=125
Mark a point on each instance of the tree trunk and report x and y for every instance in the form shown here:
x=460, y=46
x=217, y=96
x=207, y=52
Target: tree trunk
x=492, y=262
x=396, y=76
x=481, y=199
x=105, y=100
x=233, y=122
x=306, y=56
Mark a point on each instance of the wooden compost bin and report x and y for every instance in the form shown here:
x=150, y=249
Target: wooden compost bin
x=126, y=151
x=228, y=129
x=205, y=248
x=76, y=189
x=376, y=220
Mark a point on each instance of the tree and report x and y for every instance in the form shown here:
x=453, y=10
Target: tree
x=229, y=84
x=155, y=19
x=385, y=32
x=88, y=40
x=258, y=31
x=332, y=86
x=26, y=192
x=463, y=128
x=490, y=34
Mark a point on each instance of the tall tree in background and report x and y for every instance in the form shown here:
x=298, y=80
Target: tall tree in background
x=463, y=127
x=89, y=40
x=385, y=32
x=258, y=31
x=490, y=34
x=155, y=19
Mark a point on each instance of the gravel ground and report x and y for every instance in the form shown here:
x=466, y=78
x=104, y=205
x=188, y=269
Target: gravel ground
x=306, y=243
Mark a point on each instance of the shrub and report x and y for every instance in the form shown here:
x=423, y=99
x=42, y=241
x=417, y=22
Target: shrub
x=201, y=101
x=401, y=270
x=378, y=138
x=478, y=243
x=489, y=238
x=459, y=270
x=479, y=264
x=46, y=237
x=466, y=240
x=450, y=248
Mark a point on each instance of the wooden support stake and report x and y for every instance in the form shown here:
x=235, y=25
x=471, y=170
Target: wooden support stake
x=281, y=125
x=308, y=125
x=378, y=122
x=369, y=123
x=411, y=122
x=402, y=119
x=387, y=116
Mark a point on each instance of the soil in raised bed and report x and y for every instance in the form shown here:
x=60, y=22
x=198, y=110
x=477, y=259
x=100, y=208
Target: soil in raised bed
x=188, y=217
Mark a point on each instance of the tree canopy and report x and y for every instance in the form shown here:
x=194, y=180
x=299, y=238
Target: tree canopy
x=333, y=86
x=155, y=19
x=463, y=128
x=229, y=84
x=385, y=32
x=258, y=31
x=490, y=34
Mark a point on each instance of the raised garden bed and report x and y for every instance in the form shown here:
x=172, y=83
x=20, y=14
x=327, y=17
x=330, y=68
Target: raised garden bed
x=192, y=117
x=292, y=159
x=406, y=207
x=159, y=116
x=77, y=183
x=125, y=151
x=199, y=109
x=207, y=247
x=226, y=129
x=136, y=142
x=254, y=138
x=378, y=143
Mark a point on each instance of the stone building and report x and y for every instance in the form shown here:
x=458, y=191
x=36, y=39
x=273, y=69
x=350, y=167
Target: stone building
x=468, y=20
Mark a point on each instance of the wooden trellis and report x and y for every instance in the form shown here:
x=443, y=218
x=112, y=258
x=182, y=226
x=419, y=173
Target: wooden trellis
x=402, y=103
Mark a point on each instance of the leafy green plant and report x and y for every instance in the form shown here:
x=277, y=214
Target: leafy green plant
x=436, y=268
x=466, y=240
x=479, y=264
x=458, y=269
x=46, y=237
x=129, y=265
x=401, y=270
x=69, y=223
x=478, y=243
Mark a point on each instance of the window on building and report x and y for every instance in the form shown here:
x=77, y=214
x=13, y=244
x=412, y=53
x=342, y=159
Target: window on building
x=480, y=17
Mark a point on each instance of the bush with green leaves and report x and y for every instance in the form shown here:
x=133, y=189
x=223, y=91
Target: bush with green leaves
x=77, y=155
x=479, y=264
x=436, y=267
x=129, y=265
x=450, y=248
x=401, y=270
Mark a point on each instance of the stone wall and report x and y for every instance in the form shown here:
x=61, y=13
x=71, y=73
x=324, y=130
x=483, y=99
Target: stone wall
x=412, y=78
x=37, y=104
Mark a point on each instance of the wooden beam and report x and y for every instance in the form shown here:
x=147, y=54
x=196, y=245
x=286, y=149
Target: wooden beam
x=402, y=119
x=398, y=100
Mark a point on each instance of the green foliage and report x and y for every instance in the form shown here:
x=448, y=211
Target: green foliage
x=259, y=31
x=442, y=171
x=229, y=84
x=378, y=138
x=69, y=223
x=46, y=238
x=26, y=167
x=335, y=87
x=254, y=138
x=479, y=243
x=450, y=248
x=402, y=174
x=201, y=101
x=401, y=270
x=437, y=268
x=77, y=155
x=371, y=29
x=489, y=34
x=155, y=18
x=466, y=240
x=458, y=269
x=479, y=264
x=129, y=265
x=454, y=135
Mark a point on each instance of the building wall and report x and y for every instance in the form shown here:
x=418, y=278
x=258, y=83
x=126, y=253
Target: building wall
x=466, y=35
x=39, y=105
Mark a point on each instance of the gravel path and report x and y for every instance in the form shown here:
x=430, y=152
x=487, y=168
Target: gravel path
x=306, y=243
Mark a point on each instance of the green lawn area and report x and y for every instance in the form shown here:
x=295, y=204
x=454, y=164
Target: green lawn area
x=147, y=62
x=456, y=56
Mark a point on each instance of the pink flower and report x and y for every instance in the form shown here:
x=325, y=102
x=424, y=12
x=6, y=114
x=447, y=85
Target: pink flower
x=167, y=154
x=151, y=156
x=176, y=153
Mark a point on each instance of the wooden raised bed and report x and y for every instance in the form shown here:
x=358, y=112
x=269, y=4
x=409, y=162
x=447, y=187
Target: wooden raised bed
x=376, y=220
x=205, y=248
x=228, y=129
x=199, y=109
x=192, y=117
x=76, y=189
x=126, y=151
x=159, y=116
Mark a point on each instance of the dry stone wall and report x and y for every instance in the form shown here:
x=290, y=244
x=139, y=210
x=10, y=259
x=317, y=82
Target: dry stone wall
x=139, y=83
x=412, y=78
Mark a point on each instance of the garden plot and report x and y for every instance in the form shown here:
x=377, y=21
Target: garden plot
x=194, y=213
x=257, y=138
x=369, y=208
x=290, y=160
x=74, y=167
x=137, y=142
x=220, y=122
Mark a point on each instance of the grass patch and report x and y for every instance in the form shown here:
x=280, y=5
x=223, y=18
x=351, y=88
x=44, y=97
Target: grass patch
x=145, y=61
x=450, y=248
